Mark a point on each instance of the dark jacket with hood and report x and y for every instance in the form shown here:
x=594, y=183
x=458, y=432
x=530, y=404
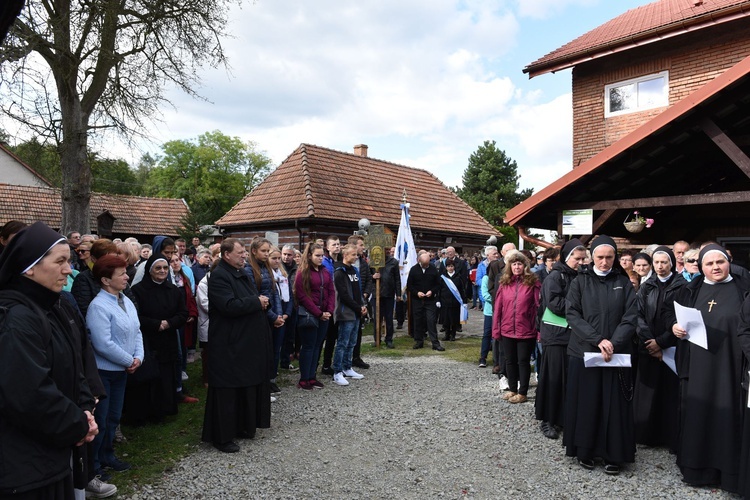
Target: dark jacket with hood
x=554, y=290
x=42, y=410
x=598, y=308
x=651, y=313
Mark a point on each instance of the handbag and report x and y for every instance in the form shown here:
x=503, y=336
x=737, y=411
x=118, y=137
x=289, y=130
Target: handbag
x=305, y=319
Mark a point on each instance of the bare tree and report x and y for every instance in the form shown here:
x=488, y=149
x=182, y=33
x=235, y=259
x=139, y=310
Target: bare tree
x=72, y=68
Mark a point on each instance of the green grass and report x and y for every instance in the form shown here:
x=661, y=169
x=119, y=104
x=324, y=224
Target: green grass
x=154, y=449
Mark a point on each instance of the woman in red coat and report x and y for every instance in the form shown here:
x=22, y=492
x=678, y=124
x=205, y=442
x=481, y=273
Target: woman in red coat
x=514, y=322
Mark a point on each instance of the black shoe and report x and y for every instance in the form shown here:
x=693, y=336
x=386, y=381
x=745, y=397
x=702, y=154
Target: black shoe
x=549, y=431
x=230, y=447
x=389, y=344
x=611, y=469
x=459, y=328
x=418, y=345
x=359, y=363
x=447, y=338
x=275, y=388
x=453, y=338
x=326, y=370
x=586, y=464
x=438, y=348
x=442, y=329
x=399, y=327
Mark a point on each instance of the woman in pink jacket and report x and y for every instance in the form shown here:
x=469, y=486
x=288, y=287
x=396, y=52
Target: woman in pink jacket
x=514, y=322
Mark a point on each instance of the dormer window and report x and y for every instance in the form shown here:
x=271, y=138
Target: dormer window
x=638, y=94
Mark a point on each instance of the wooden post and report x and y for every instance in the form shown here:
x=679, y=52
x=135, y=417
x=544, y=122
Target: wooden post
x=377, y=312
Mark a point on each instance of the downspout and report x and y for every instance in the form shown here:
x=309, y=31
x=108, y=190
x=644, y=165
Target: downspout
x=534, y=241
x=296, y=226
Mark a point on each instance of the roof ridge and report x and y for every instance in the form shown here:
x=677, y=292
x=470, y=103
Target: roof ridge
x=308, y=184
x=363, y=157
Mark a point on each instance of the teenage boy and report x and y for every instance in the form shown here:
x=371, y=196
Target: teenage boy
x=349, y=308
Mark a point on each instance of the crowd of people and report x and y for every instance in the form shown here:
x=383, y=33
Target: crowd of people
x=94, y=331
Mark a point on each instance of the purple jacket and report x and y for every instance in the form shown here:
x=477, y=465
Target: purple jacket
x=313, y=302
x=514, y=314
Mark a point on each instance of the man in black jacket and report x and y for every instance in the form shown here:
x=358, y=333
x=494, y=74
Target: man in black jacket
x=390, y=287
x=366, y=284
x=424, y=284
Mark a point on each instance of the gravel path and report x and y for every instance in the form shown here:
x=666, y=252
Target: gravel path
x=422, y=427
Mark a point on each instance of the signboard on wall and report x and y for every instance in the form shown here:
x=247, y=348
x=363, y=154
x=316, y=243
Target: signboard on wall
x=576, y=222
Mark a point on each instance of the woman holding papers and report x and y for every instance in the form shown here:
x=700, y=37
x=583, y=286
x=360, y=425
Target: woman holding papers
x=514, y=322
x=655, y=402
x=555, y=334
x=711, y=396
x=602, y=315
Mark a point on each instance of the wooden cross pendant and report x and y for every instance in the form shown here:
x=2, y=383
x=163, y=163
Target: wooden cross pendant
x=711, y=305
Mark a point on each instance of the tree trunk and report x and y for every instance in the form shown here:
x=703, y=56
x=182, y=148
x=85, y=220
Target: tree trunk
x=76, y=171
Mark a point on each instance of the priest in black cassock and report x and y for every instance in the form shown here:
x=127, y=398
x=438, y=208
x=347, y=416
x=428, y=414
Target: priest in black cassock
x=241, y=354
x=711, y=395
x=602, y=314
x=655, y=400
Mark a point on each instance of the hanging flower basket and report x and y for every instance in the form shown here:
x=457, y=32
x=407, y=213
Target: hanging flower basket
x=634, y=227
x=637, y=223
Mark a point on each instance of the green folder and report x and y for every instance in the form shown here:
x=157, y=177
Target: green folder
x=551, y=318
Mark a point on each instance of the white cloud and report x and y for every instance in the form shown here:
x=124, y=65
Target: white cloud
x=542, y=9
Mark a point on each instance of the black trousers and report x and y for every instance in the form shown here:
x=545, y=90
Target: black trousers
x=424, y=312
x=518, y=362
x=400, y=312
x=386, y=313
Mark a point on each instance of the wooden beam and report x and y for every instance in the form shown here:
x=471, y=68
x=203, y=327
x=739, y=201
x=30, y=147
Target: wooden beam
x=598, y=223
x=726, y=144
x=664, y=201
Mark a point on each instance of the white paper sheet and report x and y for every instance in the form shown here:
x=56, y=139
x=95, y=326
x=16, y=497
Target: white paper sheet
x=596, y=360
x=667, y=355
x=692, y=321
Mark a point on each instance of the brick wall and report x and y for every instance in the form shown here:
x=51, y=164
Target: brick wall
x=692, y=60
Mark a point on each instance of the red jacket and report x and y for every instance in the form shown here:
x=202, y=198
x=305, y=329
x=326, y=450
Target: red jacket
x=514, y=314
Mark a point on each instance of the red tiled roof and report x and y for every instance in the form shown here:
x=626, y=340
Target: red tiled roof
x=133, y=214
x=321, y=183
x=639, y=26
x=684, y=108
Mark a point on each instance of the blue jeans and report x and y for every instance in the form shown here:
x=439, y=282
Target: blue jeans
x=486, y=338
x=309, y=352
x=347, y=339
x=475, y=296
x=107, y=416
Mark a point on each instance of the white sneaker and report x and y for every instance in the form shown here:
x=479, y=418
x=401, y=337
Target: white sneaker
x=352, y=374
x=504, y=385
x=273, y=399
x=338, y=378
x=184, y=376
x=99, y=489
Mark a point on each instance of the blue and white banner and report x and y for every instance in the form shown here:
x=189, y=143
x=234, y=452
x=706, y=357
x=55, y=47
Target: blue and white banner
x=452, y=287
x=406, y=253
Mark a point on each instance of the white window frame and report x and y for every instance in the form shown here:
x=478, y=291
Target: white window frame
x=636, y=81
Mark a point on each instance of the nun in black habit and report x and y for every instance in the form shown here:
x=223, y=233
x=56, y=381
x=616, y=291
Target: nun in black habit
x=553, y=374
x=45, y=403
x=602, y=315
x=655, y=401
x=162, y=310
x=711, y=395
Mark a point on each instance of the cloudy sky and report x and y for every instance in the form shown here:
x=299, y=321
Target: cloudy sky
x=421, y=82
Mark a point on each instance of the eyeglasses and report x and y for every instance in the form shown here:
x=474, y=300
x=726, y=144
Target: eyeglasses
x=82, y=251
x=160, y=268
x=691, y=261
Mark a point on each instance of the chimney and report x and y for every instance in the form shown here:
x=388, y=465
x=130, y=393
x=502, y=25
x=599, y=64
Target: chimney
x=361, y=150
